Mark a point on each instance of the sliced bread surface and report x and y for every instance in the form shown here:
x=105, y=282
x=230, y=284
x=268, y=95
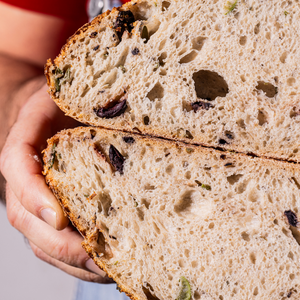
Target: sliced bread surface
x=173, y=221
x=217, y=73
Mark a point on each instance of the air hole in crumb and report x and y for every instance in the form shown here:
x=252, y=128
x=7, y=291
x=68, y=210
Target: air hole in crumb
x=291, y=255
x=149, y=187
x=290, y=81
x=145, y=202
x=181, y=263
x=234, y=178
x=185, y=202
x=169, y=169
x=262, y=118
x=189, y=57
x=123, y=57
x=283, y=57
x=102, y=247
x=245, y=236
x=188, y=175
x=98, y=74
x=156, y=228
x=243, y=40
x=296, y=182
x=162, y=58
x=162, y=45
x=197, y=295
x=257, y=28
x=252, y=258
x=269, y=89
x=148, y=291
x=157, y=92
x=241, y=123
x=85, y=91
x=184, y=23
x=105, y=201
x=187, y=253
x=165, y=5
x=194, y=264
x=198, y=42
x=146, y=120
x=255, y=292
x=209, y=85
x=211, y=225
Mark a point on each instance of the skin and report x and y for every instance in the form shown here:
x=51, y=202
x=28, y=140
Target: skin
x=30, y=117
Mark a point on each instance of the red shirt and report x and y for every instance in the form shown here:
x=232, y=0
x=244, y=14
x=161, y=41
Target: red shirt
x=68, y=10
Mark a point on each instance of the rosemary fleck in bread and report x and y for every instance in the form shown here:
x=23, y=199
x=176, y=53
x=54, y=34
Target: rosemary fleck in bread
x=173, y=221
x=216, y=73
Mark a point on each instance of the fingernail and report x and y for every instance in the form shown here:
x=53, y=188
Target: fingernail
x=49, y=216
x=91, y=266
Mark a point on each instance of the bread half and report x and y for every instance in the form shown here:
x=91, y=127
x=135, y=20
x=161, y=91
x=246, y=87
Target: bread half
x=216, y=73
x=173, y=221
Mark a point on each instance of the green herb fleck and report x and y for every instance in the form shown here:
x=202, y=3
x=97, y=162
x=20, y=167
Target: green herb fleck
x=52, y=156
x=230, y=6
x=86, y=195
x=116, y=263
x=286, y=13
x=123, y=69
x=57, y=84
x=206, y=187
x=58, y=71
x=155, y=3
x=105, y=54
x=185, y=292
x=61, y=78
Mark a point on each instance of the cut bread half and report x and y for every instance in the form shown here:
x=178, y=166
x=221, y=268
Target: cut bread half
x=173, y=221
x=216, y=73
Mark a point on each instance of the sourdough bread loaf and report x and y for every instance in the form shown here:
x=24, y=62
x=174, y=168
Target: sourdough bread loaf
x=173, y=221
x=216, y=73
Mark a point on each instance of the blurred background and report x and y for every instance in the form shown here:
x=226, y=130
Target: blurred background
x=22, y=275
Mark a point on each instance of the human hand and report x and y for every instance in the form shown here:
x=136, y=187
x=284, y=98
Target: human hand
x=30, y=203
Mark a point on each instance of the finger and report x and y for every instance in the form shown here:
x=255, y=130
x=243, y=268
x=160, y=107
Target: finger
x=99, y=276
x=64, y=245
x=20, y=158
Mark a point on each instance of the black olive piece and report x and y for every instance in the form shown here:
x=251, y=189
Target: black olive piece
x=135, y=51
x=116, y=159
x=292, y=218
x=222, y=142
x=93, y=34
x=124, y=22
x=128, y=139
x=228, y=165
x=112, y=237
x=111, y=112
x=96, y=48
x=201, y=105
x=223, y=156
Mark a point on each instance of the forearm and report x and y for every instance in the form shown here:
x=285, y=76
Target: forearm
x=18, y=81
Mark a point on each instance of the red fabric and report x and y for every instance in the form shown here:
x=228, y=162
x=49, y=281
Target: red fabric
x=66, y=9
x=69, y=10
